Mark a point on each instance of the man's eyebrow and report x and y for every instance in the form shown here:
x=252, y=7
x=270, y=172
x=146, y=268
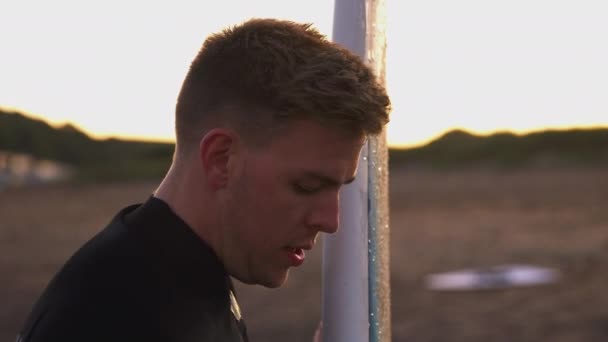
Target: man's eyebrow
x=328, y=180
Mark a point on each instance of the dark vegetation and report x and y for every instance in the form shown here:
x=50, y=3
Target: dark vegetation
x=115, y=159
x=99, y=160
x=504, y=150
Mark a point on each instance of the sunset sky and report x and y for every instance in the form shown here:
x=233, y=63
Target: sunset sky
x=114, y=68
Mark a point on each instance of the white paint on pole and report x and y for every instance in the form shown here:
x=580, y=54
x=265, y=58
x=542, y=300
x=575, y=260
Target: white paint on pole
x=345, y=254
x=356, y=271
x=345, y=278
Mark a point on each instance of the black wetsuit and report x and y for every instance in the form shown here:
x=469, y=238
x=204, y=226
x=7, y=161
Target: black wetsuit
x=145, y=277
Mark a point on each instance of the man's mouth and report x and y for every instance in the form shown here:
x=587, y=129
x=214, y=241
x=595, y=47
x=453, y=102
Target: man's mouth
x=296, y=255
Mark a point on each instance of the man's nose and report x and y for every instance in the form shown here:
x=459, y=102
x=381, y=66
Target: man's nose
x=325, y=217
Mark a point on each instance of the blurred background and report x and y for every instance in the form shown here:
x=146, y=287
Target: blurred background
x=498, y=153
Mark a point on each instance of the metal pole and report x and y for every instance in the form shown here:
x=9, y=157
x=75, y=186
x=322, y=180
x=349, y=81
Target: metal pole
x=345, y=279
x=378, y=230
x=356, y=294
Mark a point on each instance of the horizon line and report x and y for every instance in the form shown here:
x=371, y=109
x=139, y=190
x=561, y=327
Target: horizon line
x=394, y=144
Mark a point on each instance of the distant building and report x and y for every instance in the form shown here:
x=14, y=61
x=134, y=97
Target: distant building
x=19, y=169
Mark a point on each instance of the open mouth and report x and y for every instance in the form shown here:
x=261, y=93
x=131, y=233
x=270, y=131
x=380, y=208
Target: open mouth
x=296, y=255
x=298, y=251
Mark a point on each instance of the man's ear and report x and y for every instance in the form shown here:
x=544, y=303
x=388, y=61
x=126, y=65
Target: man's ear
x=215, y=150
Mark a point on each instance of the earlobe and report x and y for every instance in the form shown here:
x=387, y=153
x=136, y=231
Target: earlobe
x=216, y=149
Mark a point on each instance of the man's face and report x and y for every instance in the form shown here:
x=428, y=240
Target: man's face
x=281, y=196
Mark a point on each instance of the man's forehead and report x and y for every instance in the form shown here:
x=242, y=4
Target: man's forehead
x=311, y=126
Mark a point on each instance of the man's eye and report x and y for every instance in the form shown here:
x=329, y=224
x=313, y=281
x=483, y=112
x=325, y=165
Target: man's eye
x=306, y=189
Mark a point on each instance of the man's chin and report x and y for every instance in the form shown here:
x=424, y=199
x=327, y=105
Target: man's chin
x=274, y=281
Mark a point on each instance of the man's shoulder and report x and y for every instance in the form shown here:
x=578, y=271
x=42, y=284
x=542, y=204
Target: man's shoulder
x=126, y=283
x=96, y=288
x=110, y=255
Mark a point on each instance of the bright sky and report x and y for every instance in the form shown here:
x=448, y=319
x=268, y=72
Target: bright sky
x=115, y=67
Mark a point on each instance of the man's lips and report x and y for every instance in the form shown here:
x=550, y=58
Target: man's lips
x=296, y=254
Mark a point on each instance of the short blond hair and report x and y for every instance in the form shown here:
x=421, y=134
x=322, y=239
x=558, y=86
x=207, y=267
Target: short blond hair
x=264, y=72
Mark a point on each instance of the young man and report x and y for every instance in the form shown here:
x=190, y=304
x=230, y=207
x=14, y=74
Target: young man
x=270, y=122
